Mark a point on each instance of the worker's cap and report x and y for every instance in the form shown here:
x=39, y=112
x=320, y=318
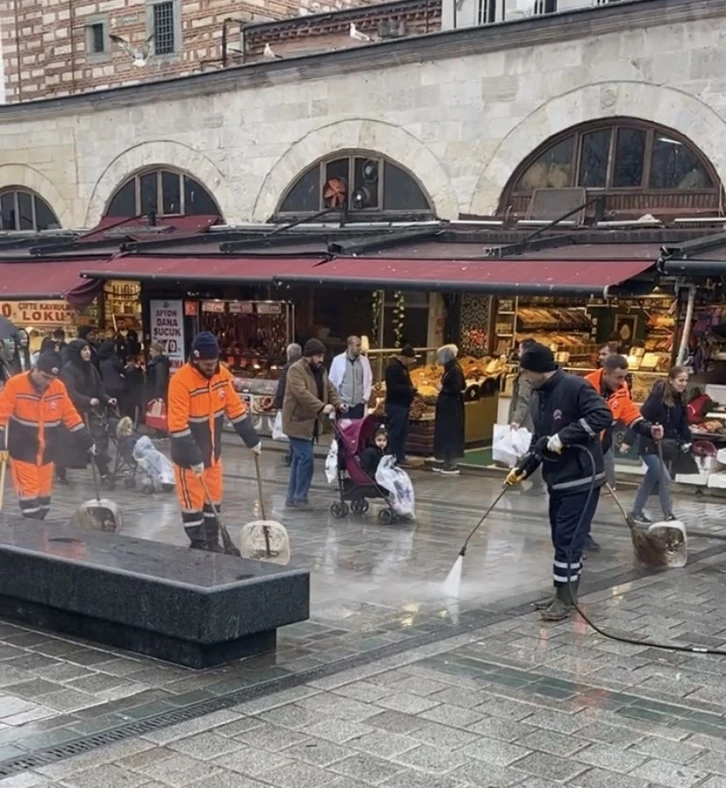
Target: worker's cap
x=538, y=358
x=205, y=347
x=314, y=347
x=407, y=351
x=49, y=362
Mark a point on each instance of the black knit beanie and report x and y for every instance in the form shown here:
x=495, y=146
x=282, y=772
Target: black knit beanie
x=538, y=358
x=313, y=347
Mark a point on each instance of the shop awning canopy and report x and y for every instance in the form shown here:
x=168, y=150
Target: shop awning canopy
x=37, y=278
x=511, y=276
x=262, y=269
x=680, y=267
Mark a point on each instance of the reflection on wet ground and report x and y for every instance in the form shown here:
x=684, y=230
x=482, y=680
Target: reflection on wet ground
x=397, y=685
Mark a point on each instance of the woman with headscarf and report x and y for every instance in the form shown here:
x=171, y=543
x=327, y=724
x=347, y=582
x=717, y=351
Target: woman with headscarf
x=21, y=359
x=113, y=371
x=6, y=364
x=87, y=393
x=449, y=426
x=48, y=344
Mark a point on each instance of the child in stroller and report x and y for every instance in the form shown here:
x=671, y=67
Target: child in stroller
x=356, y=481
x=138, y=451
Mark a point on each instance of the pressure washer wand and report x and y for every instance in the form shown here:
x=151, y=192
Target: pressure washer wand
x=462, y=552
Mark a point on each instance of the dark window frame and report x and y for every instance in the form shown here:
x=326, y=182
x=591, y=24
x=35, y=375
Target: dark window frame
x=159, y=172
x=34, y=198
x=359, y=214
x=613, y=125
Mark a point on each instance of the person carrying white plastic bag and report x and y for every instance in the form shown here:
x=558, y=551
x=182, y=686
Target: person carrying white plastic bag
x=398, y=485
x=510, y=445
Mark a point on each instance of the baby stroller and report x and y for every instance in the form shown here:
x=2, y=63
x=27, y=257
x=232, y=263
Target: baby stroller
x=354, y=484
x=137, y=452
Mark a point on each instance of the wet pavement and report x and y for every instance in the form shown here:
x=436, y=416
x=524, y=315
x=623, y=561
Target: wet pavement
x=389, y=683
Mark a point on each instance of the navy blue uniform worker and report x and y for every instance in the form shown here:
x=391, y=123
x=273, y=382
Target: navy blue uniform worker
x=570, y=413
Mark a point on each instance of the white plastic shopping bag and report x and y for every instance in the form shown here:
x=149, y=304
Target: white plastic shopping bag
x=331, y=463
x=510, y=445
x=398, y=483
x=277, y=433
x=721, y=457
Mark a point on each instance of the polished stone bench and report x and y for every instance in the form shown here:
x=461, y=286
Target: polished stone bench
x=185, y=606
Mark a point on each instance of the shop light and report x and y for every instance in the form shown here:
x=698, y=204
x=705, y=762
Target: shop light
x=669, y=141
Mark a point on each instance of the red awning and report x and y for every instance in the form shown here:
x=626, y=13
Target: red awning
x=263, y=269
x=43, y=278
x=512, y=276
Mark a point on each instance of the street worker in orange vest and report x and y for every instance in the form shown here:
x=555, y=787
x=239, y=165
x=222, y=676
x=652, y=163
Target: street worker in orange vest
x=610, y=381
x=33, y=406
x=201, y=394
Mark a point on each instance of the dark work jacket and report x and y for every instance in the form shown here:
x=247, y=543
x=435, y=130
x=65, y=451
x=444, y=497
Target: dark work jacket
x=568, y=406
x=157, y=378
x=280, y=390
x=449, y=426
x=399, y=388
x=671, y=418
x=112, y=369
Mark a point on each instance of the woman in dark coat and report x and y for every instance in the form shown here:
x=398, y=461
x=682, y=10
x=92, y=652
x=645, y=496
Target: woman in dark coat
x=113, y=372
x=449, y=425
x=157, y=374
x=666, y=405
x=21, y=360
x=89, y=397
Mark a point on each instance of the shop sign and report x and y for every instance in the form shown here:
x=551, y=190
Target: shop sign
x=269, y=309
x=217, y=307
x=167, y=328
x=191, y=308
x=37, y=313
x=241, y=307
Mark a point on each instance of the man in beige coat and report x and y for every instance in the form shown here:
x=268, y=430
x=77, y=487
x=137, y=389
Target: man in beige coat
x=309, y=398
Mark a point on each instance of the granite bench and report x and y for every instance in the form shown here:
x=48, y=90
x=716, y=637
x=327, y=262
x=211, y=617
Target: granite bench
x=185, y=606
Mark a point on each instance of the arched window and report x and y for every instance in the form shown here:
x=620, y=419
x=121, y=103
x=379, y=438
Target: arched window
x=638, y=167
x=166, y=192
x=367, y=185
x=22, y=209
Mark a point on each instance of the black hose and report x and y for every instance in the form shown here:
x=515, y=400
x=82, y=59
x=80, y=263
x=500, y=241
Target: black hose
x=575, y=603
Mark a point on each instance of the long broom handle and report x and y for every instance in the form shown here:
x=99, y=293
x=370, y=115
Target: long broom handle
x=259, y=485
x=4, y=468
x=617, y=502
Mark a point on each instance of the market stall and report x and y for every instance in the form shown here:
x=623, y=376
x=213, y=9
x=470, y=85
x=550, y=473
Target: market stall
x=482, y=377
x=253, y=337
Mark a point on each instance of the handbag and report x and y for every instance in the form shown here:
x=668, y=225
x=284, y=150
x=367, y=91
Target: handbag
x=669, y=447
x=156, y=415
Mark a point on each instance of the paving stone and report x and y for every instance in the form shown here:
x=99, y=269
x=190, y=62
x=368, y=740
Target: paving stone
x=363, y=691
x=252, y=761
x=419, y=685
x=615, y=759
x=456, y=716
x=709, y=762
x=271, y=737
x=601, y=778
x=125, y=754
x=299, y=775
x=327, y=704
x=290, y=716
x=318, y=752
x=368, y=768
x=340, y=730
x=432, y=759
x=383, y=743
x=494, y=751
x=443, y=736
x=406, y=703
x=26, y=780
x=609, y=734
x=195, y=725
x=507, y=708
x=496, y=728
x=549, y=766
x=552, y=742
x=108, y=776
x=677, y=752
x=224, y=780
x=69, y=700
x=422, y=780
x=206, y=746
x=481, y=773
x=556, y=721
x=459, y=697
x=396, y=722
x=665, y=773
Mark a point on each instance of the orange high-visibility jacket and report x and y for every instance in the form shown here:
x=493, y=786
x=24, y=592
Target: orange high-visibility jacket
x=33, y=419
x=197, y=407
x=621, y=406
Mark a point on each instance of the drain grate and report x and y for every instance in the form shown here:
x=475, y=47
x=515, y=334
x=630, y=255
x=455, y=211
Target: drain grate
x=472, y=621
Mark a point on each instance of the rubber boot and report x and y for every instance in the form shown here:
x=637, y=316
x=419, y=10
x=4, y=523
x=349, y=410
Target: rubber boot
x=197, y=538
x=562, y=604
x=211, y=531
x=543, y=604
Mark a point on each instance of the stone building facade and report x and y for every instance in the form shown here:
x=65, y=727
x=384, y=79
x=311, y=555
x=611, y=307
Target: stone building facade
x=459, y=111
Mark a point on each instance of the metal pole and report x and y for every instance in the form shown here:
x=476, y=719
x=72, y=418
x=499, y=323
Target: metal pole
x=686, y=334
x=381, y=317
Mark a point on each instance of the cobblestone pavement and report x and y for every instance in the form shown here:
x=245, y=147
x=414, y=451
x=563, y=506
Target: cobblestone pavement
x=389, y=684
